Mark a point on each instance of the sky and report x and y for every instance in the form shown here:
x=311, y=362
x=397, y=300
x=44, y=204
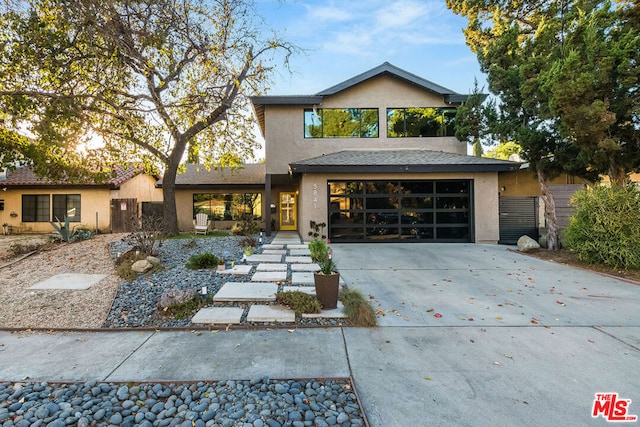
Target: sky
x=342, y=39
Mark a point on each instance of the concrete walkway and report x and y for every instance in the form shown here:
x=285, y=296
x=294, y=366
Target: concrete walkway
x=517, y=341
x=283, y=265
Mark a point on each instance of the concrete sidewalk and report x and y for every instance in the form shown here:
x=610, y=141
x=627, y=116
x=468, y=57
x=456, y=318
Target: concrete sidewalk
x=525, y=359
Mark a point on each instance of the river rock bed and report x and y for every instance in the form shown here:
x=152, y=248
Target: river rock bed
x=135, y=304
x=255, y=403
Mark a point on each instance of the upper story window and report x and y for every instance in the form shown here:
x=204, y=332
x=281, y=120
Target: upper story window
x=420, y=122
x=341, y=123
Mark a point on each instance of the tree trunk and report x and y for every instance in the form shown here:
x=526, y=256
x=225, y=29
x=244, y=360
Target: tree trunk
x=617, y=175
x=551, y=221
x=169, y=200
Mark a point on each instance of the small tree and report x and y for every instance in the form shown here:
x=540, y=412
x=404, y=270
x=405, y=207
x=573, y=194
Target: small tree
x=470, y=124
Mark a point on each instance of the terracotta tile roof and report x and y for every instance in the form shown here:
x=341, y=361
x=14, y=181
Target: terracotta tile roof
x=197, y=175
x=410, y=160
x=25, y=177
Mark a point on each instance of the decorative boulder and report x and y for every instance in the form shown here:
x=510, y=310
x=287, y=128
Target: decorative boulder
x=153, y=260
x=141, y=266
x=526, y=243
x=175, y=296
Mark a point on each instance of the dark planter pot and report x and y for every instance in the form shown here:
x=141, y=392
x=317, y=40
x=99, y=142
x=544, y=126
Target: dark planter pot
x=327, y=288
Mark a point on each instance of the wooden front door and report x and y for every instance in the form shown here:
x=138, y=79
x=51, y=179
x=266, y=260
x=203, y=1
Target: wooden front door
x=124, y=212
x=288, y=211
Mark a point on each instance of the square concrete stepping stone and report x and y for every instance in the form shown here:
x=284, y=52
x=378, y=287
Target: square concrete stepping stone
x=295, y=247
x=246, y=291
x=269, y=276
x=69, y=281
x=237, y=269
x=302, y=278
x=274, y=252
x=305, y=267
x=336, y=313
x=218, y=315
x=271, y=267
x=299, y=252
x=298, y=259
x=311, y=290
x=270, y=313
x=264, y=258
x=272, y=246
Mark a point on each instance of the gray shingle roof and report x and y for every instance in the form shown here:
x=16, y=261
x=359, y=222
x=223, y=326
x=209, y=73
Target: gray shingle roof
x=199, y=176
x=400, y=161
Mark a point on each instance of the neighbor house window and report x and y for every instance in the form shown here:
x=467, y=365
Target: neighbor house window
x=229, y=206
x=341, y=123
x=420, y=122
x=1, y=205
x=35, y=208
x=66, y=205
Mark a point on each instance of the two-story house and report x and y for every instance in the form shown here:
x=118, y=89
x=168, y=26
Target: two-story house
x=375, y=159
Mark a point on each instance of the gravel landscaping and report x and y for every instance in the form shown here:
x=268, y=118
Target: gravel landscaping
x=255, y=403
x=136, y=302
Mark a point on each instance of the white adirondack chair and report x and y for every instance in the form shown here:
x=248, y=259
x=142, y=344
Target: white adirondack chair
x=201, y=223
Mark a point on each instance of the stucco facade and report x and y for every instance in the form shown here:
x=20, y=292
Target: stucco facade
x=284, y=125
x=297, y=177
x=95, y=201
x=485, y=199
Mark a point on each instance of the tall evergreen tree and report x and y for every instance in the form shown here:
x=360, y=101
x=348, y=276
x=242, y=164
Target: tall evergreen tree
x=522, y=46
x=470, y=121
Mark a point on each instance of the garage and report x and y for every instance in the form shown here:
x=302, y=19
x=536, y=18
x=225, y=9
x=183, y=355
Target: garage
x=400, y=210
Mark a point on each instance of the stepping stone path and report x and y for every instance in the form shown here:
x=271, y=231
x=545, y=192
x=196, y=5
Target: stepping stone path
x=284, y=265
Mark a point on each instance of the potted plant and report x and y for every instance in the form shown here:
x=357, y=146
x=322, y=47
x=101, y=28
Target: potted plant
x=327, y=279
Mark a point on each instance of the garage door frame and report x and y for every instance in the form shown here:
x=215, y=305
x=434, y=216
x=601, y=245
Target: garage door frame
x=354, y=214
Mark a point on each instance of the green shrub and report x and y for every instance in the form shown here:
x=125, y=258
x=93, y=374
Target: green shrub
x=186, y=309
x=357, y=308
x=319, y=250
x=298, y=301
x=205, y=260
x=16, y=249
x=605, y=228
x=124, y=271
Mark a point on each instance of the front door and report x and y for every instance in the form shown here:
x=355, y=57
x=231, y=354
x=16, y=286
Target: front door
x=288, y=211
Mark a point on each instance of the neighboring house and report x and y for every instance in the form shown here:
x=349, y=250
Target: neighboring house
x=375, y=159
x=522, y=209
x=226, y=195
x=28, y=204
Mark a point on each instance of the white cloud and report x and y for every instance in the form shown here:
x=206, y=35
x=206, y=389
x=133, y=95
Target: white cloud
x=328, y=13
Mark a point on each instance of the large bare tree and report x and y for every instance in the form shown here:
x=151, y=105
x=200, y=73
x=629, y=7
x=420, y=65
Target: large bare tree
x=152, y=81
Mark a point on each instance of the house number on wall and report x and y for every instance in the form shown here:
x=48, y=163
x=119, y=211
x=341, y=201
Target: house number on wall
x=314, y=193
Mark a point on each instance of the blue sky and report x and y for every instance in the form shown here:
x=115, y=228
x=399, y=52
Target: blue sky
x=344, y=38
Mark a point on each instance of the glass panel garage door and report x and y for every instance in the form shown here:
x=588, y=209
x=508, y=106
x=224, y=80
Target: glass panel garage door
x=426, y=211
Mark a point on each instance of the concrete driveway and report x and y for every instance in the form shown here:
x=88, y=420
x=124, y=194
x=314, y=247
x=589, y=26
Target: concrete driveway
x=477, y=335
x=472, y=335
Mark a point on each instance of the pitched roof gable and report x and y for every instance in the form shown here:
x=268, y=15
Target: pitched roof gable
x=449, y=96
x=388, y=69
